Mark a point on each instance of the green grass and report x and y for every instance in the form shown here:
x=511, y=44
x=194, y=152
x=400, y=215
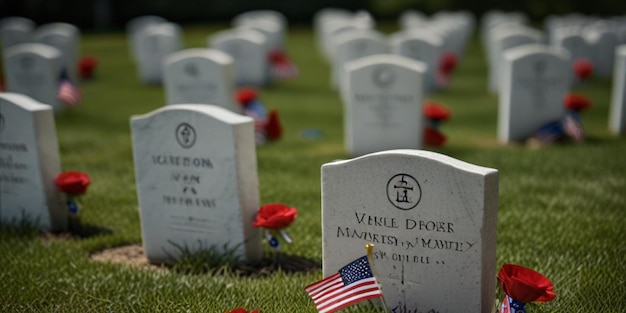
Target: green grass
x=561, y=209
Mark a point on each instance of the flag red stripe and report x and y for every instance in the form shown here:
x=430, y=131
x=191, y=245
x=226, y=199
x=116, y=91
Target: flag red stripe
x=337, y=292
x=312, y=287
x=349, y=302
x=354, y=295
x=328, y=291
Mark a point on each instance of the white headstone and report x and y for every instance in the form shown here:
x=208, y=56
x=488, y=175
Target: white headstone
x=354, y=45
x=197, y=184
x=432, y=220
x=270, y=27
x=421, y=46
x=249, y=49
x=602, y=43
x=153, y=44
x=249, y=17
x=535, y=80
x=66, y=38
x=34, y=69
x=200, y=76
x=571, y=39
x=331, y=31
x=617, y=118
x=412, y=19
x=323, y=20
x=29, y=163
x=503, y=41
x=15, y=30
x=383, y=108
x=136, y=25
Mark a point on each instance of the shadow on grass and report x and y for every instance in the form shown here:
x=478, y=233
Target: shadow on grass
x=28, y=228
x=206, y=262
x=80, y=230
x=290, y=264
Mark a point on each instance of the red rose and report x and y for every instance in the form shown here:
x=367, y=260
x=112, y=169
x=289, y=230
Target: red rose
x=278, y=57
x=273, y=128
x=447, y=63
x=275, y=216
x=524, y=284
x=435, y=111
x=86, y=66
x=72, y=182
x=583, y=68
x=433, y=137
x=242, y=310
x=576, y=102
x=245, y=95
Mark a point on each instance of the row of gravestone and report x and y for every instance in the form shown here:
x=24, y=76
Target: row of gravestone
x=344, y=36
x=37, y=61
x=432, y=218
x=62, y=36
x=532, y=78
x=584, y=39
x=255, y=35
x=384, y=83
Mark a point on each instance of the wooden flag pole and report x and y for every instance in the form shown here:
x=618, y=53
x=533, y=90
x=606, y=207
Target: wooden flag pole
x=369, y=248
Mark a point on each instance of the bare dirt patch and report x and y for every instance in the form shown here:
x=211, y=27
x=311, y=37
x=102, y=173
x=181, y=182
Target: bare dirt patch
x=131, y=255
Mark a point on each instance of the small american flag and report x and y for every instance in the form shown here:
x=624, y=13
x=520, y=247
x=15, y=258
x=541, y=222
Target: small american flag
x=68, y=93
x=549, y=132
x=572, y=127
x=510, y=305
x=353, y=283
x=284, y=71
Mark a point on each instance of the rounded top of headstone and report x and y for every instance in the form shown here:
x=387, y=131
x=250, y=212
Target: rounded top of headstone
x=532, y=49
x=257, y=15
x=215, y=111
x=390, y=59
x=140, y=22
x=217, y=56
x=246, y=34
x=167, y=28
x=419, y=35
x=63, y=28
x=17, y=22
x=425, y=155
x=34, y=48
x=358, y=34
x=24, y=101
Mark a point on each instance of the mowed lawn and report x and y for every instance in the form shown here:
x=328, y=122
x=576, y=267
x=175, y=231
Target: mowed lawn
x=562, y=209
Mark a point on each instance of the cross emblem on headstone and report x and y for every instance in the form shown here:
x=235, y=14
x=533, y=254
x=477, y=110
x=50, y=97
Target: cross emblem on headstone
x=185, y=135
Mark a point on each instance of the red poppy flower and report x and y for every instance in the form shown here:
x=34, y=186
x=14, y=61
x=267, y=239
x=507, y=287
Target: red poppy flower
x=524, y=284
x=278, y=57
x=245, y=95
x=447, y=63
x=275, y=216
x=583, y=68
x=435, y=111
x=273, y=128
x=72, y=182
x=86, y=66
x=576, y=102
x=242, y=310
x=433, y=137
